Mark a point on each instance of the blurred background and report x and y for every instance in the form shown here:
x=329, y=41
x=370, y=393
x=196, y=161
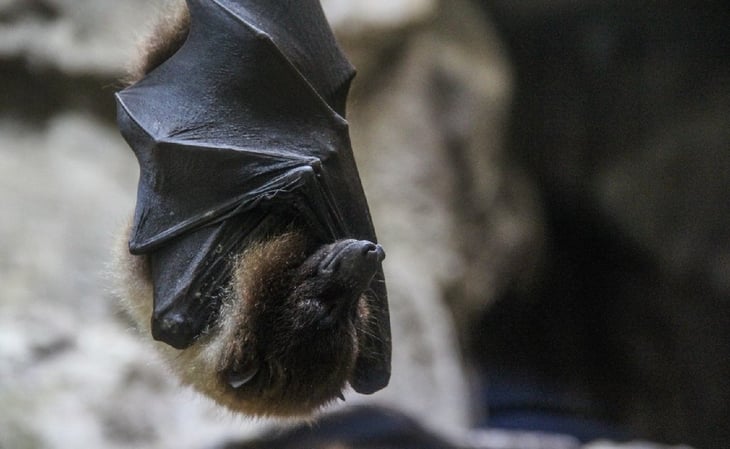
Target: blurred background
x=549, y=178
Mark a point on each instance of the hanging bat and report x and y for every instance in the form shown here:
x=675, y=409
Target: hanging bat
x=252, y=250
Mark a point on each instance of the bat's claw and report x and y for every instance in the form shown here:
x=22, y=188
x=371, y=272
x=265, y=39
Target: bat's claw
x=237, y=379
x=175, y=330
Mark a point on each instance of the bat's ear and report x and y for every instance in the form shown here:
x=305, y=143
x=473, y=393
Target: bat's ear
x=372, y=366
x=372, y=377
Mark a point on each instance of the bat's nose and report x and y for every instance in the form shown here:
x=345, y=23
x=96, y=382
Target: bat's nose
x=372, y=250
x=352, y=253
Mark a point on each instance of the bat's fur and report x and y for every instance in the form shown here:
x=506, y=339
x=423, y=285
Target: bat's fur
x=168, y=35
x=266, y=324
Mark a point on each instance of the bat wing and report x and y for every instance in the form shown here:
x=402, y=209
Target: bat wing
x=239, y=123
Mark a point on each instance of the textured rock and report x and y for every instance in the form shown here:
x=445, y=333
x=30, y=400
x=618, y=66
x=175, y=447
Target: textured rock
x=359, y=17
x=620, y=116
x=72, y=373
x=79, y=37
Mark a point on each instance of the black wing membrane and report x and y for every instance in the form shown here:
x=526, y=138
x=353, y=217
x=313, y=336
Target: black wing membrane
x=244, y=120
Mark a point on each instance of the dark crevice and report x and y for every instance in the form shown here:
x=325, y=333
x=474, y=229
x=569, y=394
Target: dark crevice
x=596, y=84
x=29, y=9
x=35, y=95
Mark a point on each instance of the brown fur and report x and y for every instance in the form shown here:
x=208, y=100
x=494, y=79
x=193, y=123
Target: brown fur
x=265, y=284
x=167, y=36
x=263, y=321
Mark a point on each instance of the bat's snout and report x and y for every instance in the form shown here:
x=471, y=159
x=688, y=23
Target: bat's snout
x=352, y=256
x=374, y=251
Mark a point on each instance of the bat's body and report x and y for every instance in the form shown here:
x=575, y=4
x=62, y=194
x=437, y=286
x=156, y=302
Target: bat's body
x=250, y=215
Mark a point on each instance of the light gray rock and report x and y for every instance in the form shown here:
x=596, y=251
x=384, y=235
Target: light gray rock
x=73, y=36
x=72, y=372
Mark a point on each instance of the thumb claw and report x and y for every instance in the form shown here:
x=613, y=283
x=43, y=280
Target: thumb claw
x=238, y=379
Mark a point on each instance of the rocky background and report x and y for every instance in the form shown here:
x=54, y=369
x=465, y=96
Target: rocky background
x=621, y=118
x=551, y=176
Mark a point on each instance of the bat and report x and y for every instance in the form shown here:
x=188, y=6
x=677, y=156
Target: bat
x=254, y=235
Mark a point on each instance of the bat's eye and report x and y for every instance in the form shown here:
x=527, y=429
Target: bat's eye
x=322, y=313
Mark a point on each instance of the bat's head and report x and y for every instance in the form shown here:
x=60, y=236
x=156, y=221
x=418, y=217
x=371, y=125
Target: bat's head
x=288, y=335
x=286, y=339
